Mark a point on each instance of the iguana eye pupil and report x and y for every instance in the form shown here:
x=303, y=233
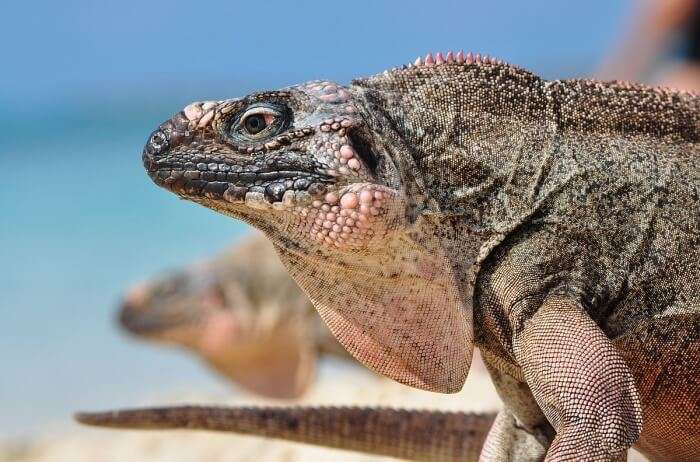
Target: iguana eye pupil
x=255, y=123
x=258, y=121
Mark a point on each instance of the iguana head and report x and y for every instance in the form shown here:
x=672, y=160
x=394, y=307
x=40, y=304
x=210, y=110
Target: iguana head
x=175, y=307
x=300, y=163
x=358, y=188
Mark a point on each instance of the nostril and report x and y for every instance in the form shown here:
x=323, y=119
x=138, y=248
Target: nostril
x=157, y=142
x=127, y=316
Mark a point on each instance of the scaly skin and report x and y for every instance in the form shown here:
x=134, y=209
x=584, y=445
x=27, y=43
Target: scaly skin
x=554, y=223
x=242, y=314
x=428, y=436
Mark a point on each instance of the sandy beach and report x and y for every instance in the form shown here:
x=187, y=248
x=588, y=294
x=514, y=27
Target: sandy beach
x=337, y=385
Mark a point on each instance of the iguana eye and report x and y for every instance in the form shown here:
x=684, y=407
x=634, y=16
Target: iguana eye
x=258, y=122
x=255, y=123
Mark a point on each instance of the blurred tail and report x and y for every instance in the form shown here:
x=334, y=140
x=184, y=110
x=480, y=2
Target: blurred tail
x=429, y=436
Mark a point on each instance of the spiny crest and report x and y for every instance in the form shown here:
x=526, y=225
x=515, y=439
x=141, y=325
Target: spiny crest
x=450, y=58
x=458, y=57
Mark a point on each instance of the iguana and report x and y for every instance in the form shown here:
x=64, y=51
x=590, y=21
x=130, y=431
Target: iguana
x=241, y=313
x=461, y=200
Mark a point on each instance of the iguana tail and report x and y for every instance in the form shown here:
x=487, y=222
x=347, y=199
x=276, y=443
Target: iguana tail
x=429, y=436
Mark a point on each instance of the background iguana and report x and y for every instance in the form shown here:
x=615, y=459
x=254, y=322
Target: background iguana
x=461, y=200
x=241, y=313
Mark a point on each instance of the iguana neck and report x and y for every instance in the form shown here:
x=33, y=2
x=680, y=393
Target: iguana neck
x=460, y=135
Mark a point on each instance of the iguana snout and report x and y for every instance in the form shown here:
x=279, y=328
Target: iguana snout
x=173, y=308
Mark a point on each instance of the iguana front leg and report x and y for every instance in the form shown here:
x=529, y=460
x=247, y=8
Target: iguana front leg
x=580, y=382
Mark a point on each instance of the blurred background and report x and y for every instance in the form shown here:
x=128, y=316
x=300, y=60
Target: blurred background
x=83, y=83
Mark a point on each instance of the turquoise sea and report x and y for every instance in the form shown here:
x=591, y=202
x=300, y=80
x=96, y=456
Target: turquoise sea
x=82, y=86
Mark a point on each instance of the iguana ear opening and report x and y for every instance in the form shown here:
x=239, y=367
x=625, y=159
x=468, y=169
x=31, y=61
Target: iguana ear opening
x=398, y=312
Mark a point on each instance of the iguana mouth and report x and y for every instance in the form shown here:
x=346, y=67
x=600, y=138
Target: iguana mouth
x=186, y=165
x=140, y=323
x=217, y=179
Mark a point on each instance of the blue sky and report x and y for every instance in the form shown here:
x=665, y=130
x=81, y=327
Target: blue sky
x=54, y=52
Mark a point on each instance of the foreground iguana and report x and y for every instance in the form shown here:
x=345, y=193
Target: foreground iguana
x=241, y=313
x=460, y=200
